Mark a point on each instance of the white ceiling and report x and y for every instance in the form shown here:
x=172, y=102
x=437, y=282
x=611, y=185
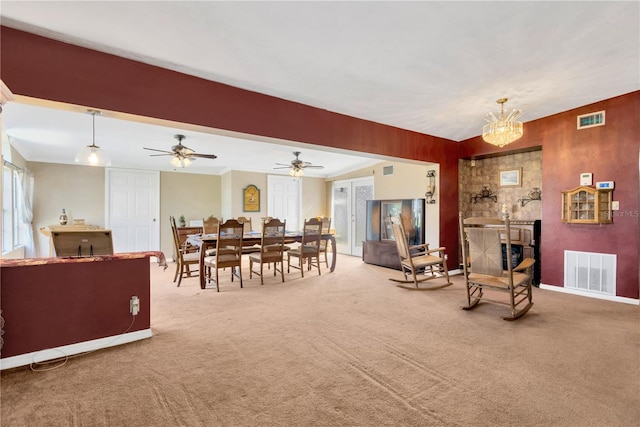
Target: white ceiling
x=431, y=67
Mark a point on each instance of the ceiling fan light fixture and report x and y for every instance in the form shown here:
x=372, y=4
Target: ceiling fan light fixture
x=93, y=155
x=181, y=161
x=296, y=172
x=502, y=130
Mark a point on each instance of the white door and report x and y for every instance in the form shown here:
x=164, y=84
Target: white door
x=349, y=216
x=283, y=200
x=132, y=200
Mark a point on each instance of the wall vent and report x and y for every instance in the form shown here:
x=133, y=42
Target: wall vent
x=591, y=120
x=590, y=272
x=387, y=170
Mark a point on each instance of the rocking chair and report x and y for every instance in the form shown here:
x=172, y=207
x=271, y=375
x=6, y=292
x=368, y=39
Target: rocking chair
x=482, y=240
x=418, y=263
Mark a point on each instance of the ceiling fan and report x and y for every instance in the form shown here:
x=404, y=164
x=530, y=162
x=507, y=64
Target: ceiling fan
x=182, y=155
x=297, y=166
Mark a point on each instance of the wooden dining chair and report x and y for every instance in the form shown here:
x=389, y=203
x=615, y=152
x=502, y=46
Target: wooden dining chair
x=309, y=249
x=186, y=256
x=210, y=225
x=248, y=228
x=228, y=253
x=246, y=222
x=271, y=249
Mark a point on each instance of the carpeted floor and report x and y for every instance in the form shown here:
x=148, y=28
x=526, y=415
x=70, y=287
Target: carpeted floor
x=347, y=348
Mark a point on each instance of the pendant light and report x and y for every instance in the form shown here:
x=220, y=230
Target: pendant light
x=504, y=129
x=92, y=155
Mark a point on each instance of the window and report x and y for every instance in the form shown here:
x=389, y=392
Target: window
x=10, y=208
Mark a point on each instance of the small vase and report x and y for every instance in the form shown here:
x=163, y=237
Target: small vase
x=63, y=218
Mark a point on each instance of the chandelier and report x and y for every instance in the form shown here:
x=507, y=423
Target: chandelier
x=502, y=130
x=92, y=155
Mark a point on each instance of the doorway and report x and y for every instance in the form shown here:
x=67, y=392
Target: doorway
x=349, y=213
x=132, y=209
x=283, y=200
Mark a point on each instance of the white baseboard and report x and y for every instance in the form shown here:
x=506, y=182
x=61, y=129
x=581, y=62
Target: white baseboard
x=71, y=349
x=614, y=298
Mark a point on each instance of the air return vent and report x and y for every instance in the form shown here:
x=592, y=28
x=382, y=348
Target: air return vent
x=590, y=272
x=387, y=170
x=591, y=120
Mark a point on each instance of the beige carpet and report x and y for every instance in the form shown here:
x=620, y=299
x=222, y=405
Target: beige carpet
x=347, y=348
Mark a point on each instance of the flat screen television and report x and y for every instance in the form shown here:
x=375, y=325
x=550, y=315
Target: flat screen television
x=413, y=216
x=85, y=243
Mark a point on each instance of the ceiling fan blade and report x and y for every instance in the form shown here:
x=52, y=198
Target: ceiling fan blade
x=204, y=156
x=162, y=151
x=283, y=164
x=166, y=154
x=314, y=167
x=283, y=167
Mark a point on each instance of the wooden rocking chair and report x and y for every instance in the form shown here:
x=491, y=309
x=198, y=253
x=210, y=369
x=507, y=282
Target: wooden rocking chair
x=482, y=240
x=419, y=263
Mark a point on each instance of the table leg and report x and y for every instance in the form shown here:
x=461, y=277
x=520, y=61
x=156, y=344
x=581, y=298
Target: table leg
x=332, y=239
x=203, y=249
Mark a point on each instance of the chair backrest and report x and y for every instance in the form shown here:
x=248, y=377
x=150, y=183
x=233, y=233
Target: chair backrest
x=481, y=240
x=311, y=232
x=326, y=224
x=273, y=236
x=210, y=225
x=229, y=239
x=400, y=237
x=174, y=232
x=246, y=221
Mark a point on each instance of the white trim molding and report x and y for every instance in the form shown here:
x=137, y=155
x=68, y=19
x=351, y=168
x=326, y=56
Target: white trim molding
x=572, y=291
x=71, y=349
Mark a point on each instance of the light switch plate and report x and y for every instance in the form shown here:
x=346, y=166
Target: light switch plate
x=615, y=205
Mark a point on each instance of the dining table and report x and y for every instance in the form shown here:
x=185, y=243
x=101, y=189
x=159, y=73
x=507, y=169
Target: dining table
x=206, y=241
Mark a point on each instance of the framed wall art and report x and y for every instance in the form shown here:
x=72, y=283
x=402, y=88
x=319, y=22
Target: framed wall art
x=251, y=199
x=511, y=178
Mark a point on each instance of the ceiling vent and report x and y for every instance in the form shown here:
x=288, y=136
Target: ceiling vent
x=387, y=170
x=591, y=120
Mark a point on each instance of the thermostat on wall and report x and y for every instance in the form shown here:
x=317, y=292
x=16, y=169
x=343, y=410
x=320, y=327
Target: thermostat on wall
x=586, y=178
x=605, y=185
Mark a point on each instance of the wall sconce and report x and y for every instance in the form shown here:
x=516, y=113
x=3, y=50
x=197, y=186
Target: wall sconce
x=431, y=187
x=485, y=193
x=534, y=194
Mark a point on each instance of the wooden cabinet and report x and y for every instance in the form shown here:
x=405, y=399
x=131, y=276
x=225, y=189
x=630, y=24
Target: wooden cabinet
x=586, y=205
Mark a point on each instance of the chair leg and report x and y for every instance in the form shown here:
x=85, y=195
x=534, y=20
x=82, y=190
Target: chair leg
x=175, y=276
x=181, y=274
x=261, y=273
x=301, y=264
x=275, y=268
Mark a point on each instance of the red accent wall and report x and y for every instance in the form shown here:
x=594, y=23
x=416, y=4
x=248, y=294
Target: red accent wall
x=612, y=153
x=47, y=69
x=52, y=305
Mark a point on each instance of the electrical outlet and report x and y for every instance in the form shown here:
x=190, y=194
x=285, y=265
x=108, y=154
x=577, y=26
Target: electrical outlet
x=134, y=305
x=615, y=205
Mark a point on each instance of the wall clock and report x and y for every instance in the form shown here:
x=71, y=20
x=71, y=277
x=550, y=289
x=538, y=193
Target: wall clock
x=251, y=199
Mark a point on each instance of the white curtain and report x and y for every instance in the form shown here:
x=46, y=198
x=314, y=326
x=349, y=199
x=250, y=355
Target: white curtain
x=25, y=198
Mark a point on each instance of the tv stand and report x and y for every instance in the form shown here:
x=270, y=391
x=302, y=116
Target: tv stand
x=382, y=253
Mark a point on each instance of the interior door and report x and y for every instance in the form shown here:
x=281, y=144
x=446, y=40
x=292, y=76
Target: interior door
x=349, y=211
x=283, y=200
x=132, y=200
